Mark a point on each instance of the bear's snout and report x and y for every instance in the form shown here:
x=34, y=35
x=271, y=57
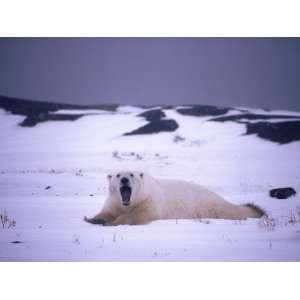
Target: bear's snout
x=124, y=181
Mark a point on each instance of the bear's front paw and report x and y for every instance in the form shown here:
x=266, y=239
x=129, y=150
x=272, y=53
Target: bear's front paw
x=94, y=221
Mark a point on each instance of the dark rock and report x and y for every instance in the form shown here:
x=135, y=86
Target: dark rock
x=280, y=132
x=16, y=242
x=282, y=193
x=203, y=110
x=152, y=115
x=48, y=187
x=166, y=125
x=252, y=117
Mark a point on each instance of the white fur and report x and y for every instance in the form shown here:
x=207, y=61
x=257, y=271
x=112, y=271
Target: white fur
x=154, y=199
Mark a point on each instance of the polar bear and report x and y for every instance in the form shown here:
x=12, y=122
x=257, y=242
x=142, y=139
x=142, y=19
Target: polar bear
x=138, y=198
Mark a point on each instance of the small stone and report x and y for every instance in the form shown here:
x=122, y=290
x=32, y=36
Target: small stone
x=48, y=187
x=282, y=193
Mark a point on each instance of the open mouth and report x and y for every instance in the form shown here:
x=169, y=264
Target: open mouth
x=125, y=194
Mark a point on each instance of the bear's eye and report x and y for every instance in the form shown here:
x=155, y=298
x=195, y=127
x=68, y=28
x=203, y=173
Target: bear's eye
x=118, y=175
x=131, y=175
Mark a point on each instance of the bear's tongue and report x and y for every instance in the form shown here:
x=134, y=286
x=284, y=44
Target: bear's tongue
x=125, y=193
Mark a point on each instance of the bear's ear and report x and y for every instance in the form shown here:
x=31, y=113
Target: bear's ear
x=109, y=177
x=141, y=175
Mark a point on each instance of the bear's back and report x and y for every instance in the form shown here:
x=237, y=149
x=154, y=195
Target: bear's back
x=185, y=199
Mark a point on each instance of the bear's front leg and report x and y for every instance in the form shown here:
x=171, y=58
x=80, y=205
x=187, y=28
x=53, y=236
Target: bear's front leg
x=140, y=215
x=123, y=220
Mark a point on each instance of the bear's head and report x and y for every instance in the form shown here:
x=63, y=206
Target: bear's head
x=125, y=187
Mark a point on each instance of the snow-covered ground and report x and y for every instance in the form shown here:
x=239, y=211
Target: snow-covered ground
x=53, y=174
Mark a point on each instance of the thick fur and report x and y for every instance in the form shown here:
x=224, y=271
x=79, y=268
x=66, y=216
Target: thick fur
x=156, y=199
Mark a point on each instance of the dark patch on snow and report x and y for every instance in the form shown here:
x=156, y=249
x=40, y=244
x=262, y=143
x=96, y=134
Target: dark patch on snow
x=33, y=120
x=48, y=187
x=203, y=110
x=177, y=139
x=30, y=108
x=16, y=242
x=280, y=132
x=166, y=125
x=252, y=117
x=153, y=115
x=38, y=111
x=282, y=193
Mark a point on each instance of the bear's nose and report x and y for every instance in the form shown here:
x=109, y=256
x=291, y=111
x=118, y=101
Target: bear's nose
x=124, y=181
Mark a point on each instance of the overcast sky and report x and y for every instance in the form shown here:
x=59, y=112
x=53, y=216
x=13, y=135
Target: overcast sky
x=253, y=72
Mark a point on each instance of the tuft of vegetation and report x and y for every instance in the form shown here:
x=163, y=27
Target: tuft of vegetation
x=294, y=217
x=6, y=222
x=267, y=222
x=135, y=156
x=114, y=239
x=76, y=239
x=178, y=138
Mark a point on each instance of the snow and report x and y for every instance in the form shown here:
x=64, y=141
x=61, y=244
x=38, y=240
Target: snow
x=80, y=112
x=71, y=160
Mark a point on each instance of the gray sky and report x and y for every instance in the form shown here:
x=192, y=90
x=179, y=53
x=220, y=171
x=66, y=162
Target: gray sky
x=253, y=72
